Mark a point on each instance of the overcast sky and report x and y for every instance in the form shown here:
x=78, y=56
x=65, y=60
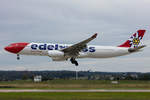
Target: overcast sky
x=70, y=21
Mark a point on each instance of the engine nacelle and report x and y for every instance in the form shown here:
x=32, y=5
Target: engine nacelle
x=58, y=59
x=55, y=53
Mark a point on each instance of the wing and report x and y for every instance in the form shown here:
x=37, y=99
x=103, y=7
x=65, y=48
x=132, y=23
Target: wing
x=73, y=51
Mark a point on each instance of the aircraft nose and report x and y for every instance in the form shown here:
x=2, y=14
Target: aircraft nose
x=10, y=49
x=7, y=48
x=15, y=47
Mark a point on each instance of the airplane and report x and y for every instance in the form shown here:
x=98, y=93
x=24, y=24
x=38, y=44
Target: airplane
x=63, y=52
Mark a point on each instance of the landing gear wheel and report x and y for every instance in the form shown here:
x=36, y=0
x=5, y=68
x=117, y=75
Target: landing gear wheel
x=18, y=57
x=76, y=63
x=73, y=61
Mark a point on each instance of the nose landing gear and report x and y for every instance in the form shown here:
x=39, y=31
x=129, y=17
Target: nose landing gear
x=73, y=61
x=18, y=57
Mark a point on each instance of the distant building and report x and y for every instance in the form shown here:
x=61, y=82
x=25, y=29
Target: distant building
x=114, y=82
x=134, y=76
x=38, y=78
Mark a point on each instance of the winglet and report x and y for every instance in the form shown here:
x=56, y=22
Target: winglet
x=94, y=36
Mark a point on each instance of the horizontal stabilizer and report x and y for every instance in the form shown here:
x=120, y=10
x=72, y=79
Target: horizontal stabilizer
x=136, y=49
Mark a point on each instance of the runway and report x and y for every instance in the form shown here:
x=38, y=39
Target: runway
x=45, y=90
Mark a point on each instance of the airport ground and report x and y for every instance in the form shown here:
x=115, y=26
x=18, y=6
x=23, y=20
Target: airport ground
x=75, y=85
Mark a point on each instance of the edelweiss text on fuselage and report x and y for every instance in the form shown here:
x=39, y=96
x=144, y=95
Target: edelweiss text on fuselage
x=56, y=47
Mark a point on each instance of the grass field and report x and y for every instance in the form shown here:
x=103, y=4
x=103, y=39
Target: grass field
x=75, y=84
x=74, y=96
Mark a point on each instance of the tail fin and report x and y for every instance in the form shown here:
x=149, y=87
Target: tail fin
x=134, y=40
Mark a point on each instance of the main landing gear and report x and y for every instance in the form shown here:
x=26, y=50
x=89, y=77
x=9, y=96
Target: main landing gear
x=73, y=61
x=18, y=57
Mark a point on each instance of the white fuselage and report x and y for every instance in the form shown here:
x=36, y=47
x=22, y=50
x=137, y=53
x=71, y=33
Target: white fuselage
x=92, y=51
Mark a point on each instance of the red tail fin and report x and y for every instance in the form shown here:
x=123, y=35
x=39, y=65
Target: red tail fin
x=134, y=39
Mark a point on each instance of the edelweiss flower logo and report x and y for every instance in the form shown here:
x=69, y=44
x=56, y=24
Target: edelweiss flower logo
x=135, y=40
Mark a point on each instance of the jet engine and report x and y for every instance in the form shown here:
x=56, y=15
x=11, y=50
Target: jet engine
x=55, y=53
